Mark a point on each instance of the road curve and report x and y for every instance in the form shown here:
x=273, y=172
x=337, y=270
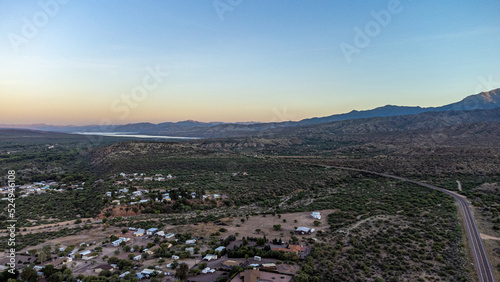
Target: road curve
x=481, y=260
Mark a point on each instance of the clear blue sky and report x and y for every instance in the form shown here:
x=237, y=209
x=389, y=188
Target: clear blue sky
x=258, y=61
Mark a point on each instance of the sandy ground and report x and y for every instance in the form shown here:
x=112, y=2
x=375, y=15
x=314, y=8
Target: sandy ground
x=265, y=224
x=488, y=237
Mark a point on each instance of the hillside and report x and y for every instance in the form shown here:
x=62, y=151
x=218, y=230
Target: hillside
x=480, y=101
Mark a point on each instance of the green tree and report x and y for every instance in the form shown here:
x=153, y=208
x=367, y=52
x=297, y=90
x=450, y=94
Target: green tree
x=29, y=274
x=182, y=272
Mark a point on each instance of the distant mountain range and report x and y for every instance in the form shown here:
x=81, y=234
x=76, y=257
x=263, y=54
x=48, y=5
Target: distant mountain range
x=481, y=101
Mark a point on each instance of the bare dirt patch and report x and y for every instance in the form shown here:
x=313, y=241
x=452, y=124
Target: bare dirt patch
x=248, y=226
x=488, y=237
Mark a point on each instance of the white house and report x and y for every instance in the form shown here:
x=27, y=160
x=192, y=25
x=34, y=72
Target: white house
x=210, y=257
x=220, y=249
x=138, y=257
x=151, y=231
x=191, y=242
x=169, y=235
x=316, y=215
x=304, y=230
x=148, y=272
x=118, y=242
x=160, y=233
x=124, y=274
x=175, y=257
x=87, y=255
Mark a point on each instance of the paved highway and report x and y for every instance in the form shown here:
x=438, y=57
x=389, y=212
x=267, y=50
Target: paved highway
x=481, y=261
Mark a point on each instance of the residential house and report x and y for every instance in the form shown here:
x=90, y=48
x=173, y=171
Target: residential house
x=139, y=232
x=190, y=242
x=228, y=264
x=316, y=215
x=151, y=231
x=220, y=249
x=304, y=230
x=138, y=257
x=102, y=267
x=148, y=251
x=119, y=241
x=124, y=274
x=87, y=255
x=268, y=266
x=250, y=275
x=210, y=257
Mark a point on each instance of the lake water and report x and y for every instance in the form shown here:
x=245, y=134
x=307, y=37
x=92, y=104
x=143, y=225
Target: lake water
x=131, y=135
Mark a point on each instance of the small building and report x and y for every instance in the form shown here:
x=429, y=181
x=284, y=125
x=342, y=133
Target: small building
x=257, y=258
x=228, y=264
x=304, y=230
x=102, y=267
x=148, y=272
x=210, y=257
x=116, y=243
x=124, y=274
x=87, y=255
x=139, y=232
x=316, y=215
x=160, y=233
x=148, y=251
x=151, y=231
x=252, y=275
x=220, y=249
x=269, y=266
x=191, y=242
x=190, y=250
x=138, y=257
x=169, y=235
x=57, y=262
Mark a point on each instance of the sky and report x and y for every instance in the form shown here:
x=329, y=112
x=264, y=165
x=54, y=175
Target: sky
x=99, y=62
